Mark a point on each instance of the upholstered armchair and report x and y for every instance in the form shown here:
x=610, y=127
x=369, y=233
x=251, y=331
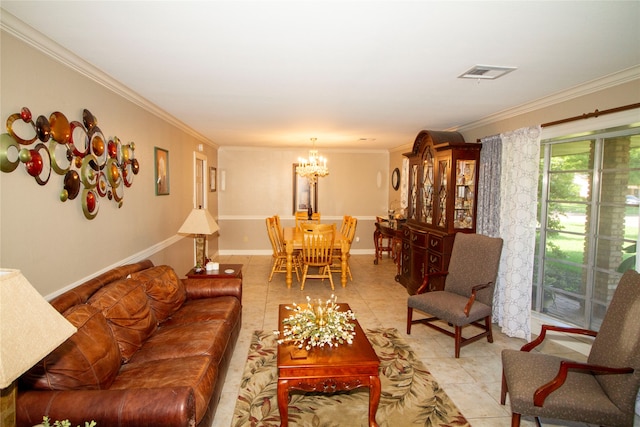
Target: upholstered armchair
x=601, y=391
x=467, y=298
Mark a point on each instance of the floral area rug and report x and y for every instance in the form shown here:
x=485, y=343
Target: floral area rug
x=410, y=395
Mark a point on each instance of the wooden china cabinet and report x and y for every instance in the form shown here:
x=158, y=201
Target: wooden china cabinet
x=443, y=181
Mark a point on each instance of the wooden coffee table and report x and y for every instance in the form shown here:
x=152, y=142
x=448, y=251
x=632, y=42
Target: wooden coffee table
x=328, y=369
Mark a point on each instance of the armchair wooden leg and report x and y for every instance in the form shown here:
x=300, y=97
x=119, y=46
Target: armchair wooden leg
x=515, y=420
x=458, y=338
x=409, y=318
x=503, y=390
x=487, y=323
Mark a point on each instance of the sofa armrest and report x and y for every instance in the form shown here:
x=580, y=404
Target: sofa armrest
x=170, y=406
x=213, y=287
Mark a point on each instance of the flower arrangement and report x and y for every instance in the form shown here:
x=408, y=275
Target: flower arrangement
x=317, y=325
x=64, y=423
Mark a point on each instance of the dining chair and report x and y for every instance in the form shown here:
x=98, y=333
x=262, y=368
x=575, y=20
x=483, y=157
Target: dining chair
x=467, y=298
x=317, y=250
x=601, y=391
x=303, y=216
x=348, y=231
x=344, y=225
x=279, y=227
x=279, y=264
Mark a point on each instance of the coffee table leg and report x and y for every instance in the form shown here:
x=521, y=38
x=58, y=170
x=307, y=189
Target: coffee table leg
x=374, y=399
x=283, y=401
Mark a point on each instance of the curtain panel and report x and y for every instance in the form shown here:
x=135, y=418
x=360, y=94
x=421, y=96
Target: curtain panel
x=518, y=197
x=488, y=218
x=507, y=200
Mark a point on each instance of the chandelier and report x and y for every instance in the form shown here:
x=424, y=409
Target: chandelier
x=313, y=167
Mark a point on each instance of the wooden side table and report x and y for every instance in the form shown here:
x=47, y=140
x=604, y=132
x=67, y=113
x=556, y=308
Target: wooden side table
x=225, y=270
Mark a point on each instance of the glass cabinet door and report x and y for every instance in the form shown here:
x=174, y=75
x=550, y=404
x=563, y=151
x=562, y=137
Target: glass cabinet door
x=427, y=188
x=465, y=194
x=443, y=171
x=413, y=197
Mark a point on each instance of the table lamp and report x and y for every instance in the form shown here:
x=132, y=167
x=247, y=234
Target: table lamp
x=30, y=329
x=199, y=223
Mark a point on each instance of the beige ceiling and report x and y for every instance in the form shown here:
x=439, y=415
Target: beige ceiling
x=354, y=74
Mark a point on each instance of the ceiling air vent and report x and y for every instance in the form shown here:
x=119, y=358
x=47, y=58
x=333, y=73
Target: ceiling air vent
x=487, y=72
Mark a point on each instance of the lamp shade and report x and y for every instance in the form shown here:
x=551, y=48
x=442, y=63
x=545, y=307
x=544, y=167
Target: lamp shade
x=30, y=328
x=199, y=221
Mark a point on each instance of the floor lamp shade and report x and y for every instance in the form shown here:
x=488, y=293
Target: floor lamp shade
x=199, y=223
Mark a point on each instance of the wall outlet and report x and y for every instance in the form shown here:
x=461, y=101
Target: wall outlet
x=357, y=239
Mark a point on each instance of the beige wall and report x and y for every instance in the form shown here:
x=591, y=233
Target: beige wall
x=259, y=183
x=52, y=242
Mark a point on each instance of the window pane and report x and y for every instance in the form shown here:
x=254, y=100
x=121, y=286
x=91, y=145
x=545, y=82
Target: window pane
x=536, y=266
x=567, y=217
x=566, y=307
x=569, y=278
x=619, y=222
x=560, y=277
x=570, y=186
x=605, y=285
x=566, y=247
x=610, y=255
x=570, y=156
x=623, y=152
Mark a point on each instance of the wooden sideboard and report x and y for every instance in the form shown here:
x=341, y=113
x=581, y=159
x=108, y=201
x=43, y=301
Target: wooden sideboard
x=443, y=180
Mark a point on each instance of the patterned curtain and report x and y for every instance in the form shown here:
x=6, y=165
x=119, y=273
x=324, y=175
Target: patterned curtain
x=488, y=220
x=518, y=201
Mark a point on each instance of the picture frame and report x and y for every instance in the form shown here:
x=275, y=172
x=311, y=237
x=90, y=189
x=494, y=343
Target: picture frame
x=161, y=165
x=303, y=192
x=213, y=183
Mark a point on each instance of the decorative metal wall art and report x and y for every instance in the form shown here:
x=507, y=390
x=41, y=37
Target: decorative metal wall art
x=79, y=151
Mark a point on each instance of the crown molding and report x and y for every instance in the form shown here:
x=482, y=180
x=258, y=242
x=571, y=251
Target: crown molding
x=14, y=26
x=611, y=80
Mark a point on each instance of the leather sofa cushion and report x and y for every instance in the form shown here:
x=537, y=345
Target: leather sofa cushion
x=165, y=290
x=204, y=339
x=125, y=306
x=200, y=310
x=89, y=359
x=196, y=371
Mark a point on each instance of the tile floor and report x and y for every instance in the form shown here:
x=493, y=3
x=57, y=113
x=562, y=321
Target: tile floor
x=472, y=381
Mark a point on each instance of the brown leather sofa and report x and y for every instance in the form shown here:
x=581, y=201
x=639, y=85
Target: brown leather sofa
x=151, y=350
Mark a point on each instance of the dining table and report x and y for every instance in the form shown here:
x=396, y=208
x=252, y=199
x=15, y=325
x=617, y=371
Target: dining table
x=293, y=240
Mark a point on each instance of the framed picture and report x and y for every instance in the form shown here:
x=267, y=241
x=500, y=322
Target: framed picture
x=303, y=193
x=162, y=171
x=212, y=180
